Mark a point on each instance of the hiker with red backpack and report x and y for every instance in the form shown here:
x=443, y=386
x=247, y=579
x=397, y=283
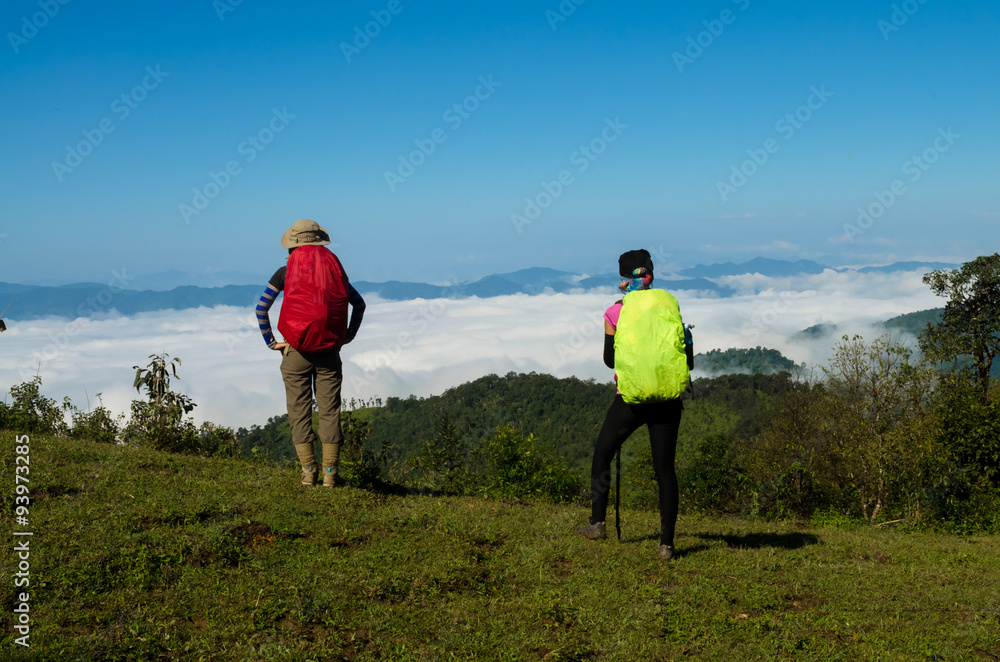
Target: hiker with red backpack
x=651, y=352
x=314, y=324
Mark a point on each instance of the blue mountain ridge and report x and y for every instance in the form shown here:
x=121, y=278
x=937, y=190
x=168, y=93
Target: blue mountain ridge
x=94, y=299
x=759, y=265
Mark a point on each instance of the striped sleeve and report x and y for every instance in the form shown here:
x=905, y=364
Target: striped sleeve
x=263, y=319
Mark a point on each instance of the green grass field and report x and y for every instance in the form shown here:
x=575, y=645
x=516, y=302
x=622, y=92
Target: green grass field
x=140, y=555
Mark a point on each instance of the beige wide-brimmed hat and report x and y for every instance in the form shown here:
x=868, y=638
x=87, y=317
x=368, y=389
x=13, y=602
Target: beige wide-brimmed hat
x=305, y=233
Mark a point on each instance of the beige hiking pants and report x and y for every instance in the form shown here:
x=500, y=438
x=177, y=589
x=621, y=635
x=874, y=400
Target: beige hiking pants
x=303, y=374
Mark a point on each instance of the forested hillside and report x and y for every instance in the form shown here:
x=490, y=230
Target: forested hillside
x=913, y=323
x=755, y=361
x=916, y=323
x=565, y=414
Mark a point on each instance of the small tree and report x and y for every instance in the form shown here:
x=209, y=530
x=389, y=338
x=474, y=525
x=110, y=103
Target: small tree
x=969, y=330
x=876, y=419
x=155, y=377
x=159, y=422
x=443, y=460
x=362, y=464
x=792, y=466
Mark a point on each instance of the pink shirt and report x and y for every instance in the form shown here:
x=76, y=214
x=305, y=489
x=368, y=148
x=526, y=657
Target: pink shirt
x=612, y=313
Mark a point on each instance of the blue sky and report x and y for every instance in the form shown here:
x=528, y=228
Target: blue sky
x=203, y=80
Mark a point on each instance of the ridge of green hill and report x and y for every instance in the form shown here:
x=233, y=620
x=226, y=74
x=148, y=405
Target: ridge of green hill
x=913, y=323
x=565, y=413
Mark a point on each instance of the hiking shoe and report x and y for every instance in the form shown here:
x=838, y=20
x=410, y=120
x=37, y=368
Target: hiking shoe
x=331, y=479
x=665, y=552
x=309, y=476
x=593, y=531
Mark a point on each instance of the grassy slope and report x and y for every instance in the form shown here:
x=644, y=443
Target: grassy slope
x=143, y=555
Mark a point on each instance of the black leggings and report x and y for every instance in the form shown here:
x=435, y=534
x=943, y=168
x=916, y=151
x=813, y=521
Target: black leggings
x=663, y=420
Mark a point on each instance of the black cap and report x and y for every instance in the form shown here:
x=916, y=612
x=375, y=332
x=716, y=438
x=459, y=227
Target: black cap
x=632, y=260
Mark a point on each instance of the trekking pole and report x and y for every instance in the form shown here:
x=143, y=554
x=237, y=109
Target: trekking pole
x=618, y=493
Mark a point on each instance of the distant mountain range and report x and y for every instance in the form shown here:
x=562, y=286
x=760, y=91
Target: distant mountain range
x=758, y=265
x=537, y=280
x=90, y=299
x=778, y=268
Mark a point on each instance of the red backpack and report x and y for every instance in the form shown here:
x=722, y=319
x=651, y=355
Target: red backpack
x=313, y=314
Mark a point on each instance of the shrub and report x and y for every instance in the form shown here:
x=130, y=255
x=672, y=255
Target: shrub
x=363, y=464
x=965, y=477
x=515, y=468
x=709, y=477
x=161, y=427
x=443, y=461
x=31, y=412
x=638, y=484
x=217, y=441
x=98, y=424
x=792, y=467
x=159, y=423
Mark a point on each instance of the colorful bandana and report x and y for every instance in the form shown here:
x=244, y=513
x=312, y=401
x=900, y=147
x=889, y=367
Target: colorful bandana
x=640, y=280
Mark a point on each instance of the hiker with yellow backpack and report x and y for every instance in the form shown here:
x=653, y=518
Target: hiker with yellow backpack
x=651, y=352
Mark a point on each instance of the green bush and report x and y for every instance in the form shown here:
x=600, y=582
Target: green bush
x=792, y=467
x=96, y=425
x=161, y=427
x=31, y=412
x=709, y=478
x=979, y=513
x=443, y=463
x=965, y=479
x=363, y=464
x=516, y=469
x=217, y=441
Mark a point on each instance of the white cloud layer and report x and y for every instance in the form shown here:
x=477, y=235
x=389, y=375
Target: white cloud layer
x=423, y=347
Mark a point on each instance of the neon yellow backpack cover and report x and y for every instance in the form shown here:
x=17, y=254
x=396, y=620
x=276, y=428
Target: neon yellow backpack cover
x=649, y=348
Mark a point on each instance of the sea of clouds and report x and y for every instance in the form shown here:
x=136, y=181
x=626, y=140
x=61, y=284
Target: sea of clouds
x=424, y=347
